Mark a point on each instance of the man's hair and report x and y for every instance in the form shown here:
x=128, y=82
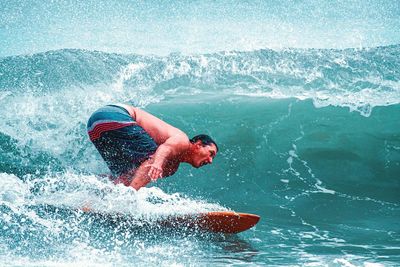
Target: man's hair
x=205, y=140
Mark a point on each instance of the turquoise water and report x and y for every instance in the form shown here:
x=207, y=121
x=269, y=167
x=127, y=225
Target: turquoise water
x=308, y=130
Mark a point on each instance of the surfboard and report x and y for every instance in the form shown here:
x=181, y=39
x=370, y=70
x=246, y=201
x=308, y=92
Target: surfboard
x=228, y=222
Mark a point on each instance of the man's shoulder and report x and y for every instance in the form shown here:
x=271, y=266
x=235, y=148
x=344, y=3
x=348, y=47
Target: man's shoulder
x=180, y=137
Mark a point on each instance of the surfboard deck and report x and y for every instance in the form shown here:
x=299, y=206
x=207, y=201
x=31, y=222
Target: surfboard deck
x=228, y=222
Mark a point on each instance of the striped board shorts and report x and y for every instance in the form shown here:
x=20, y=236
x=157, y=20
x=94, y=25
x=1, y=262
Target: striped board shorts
x=121, y=142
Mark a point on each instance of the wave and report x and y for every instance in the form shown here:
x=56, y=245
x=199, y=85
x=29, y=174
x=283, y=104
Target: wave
x=319, y=177
x=357, y=78
x=287, y=134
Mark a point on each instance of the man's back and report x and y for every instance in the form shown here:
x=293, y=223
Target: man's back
x=159, y=130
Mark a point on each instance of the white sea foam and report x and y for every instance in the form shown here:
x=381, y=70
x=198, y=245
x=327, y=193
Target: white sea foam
x=103, y=196
x=362, y=101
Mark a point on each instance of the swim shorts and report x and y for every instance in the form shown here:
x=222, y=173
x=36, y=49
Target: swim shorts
x=121, y=142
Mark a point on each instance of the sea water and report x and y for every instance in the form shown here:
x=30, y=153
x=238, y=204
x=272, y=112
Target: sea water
x=303, y=99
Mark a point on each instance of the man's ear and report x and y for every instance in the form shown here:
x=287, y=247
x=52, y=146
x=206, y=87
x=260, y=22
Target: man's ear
x=198, y=143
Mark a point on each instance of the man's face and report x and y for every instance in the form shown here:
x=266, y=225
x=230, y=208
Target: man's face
x=203, y=154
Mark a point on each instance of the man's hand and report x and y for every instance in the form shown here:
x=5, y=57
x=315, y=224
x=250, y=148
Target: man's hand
x=155, y=172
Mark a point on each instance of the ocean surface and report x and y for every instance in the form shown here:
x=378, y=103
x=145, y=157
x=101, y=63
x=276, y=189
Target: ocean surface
x=302, y=97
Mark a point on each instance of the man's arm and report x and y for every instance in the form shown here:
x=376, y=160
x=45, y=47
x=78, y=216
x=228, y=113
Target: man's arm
x=153, y=168
x=141, y=177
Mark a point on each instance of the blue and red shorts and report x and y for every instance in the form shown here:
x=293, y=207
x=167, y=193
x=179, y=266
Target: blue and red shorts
x=121, y=142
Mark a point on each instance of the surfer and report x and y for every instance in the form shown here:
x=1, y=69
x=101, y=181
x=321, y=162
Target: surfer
x=139, y=147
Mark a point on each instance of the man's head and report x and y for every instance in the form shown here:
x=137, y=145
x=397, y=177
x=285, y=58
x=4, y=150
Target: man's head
x=204, y=150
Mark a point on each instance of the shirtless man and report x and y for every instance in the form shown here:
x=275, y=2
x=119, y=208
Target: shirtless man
x=139, y=148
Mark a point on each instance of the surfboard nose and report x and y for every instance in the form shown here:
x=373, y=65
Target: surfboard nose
x=227, y=221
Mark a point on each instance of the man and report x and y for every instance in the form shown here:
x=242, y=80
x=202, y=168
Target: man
x=139, y=147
